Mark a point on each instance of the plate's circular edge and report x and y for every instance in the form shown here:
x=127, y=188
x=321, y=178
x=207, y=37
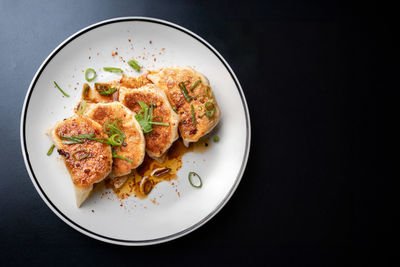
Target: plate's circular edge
x=105, y=238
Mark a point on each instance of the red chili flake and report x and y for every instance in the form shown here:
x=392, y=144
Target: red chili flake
x=155, y=59
x=129, y=40
x=150, y=42
x=93, y=211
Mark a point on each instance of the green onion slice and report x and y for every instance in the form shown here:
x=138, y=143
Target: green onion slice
x=134, y=64
x=145, y=117
x=146, y=185
x=85, y=155
x=193, y=115
x=64, y=93
x=185, y=92
x=90, y=75
x=159, y=123
x=82, y=107
x=210, y=109
x=216, y=139
x=116, y=140
x=174, y=109
x=51, y=150
x=114, y=70
x=121, y=157
x=71, y=140
x=200, y=183
x=108, y=92
x=194, y=85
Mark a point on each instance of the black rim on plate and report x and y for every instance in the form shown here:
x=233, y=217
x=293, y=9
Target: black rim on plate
x=123, y=241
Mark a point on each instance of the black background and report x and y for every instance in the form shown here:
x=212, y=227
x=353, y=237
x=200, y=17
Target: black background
x=319, y=83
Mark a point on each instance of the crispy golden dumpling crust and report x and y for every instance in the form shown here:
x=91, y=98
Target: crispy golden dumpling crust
x=90, y=170
x=160, y=138
x=133, y=147
x=168, y=79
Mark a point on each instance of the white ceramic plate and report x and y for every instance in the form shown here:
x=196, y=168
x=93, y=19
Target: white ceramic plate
x=165, y=214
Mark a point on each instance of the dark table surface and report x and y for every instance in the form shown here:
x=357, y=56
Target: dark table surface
x=314, y=74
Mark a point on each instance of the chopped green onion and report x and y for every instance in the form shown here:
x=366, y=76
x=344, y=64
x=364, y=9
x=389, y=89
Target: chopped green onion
x=150, y=118
x=64, y=93
x=114, y=70
x=216, y=139
x=90, y=72
x=159, y=123
x=121, y=157
x=50, y=150
x=149, y=188
x=134, y=64
x=143, y=185
x=174, y=109
x=145, y=117
x=108, y=92
x=87, y=154
x=83, y=136
x=115, y=129
x=198, y=177
x=82, y=107
x=101, y=140
x=116, y=140
x=185, y=92
x=210, y=109
x=193, y=115
x=71, y=140
x=194, y=85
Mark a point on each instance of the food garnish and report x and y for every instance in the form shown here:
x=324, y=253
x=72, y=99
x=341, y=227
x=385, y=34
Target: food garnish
x=193, y=115
x=185, y=92
x=210, y=109
x=82, y=107
x=200, y=183
x=194, y=85
x=134, y=64
x=145, y=117
x=64, y=93
x=146, y=185
x=90, y=74
x=114, y=70
x=50, y=150
x=85, y=154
